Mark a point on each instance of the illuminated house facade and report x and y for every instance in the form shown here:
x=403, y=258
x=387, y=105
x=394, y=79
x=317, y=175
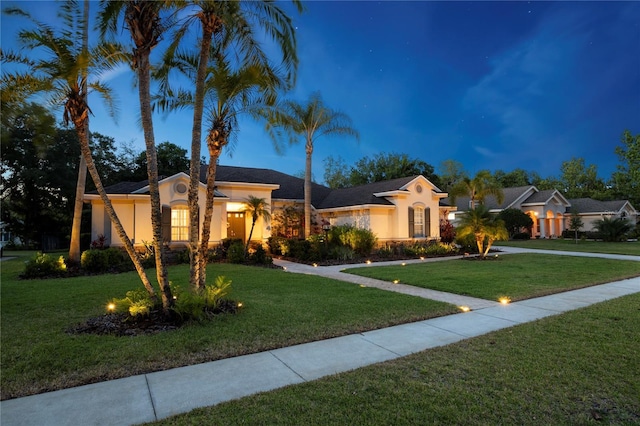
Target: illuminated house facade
x=550, y=210
x=395, y=210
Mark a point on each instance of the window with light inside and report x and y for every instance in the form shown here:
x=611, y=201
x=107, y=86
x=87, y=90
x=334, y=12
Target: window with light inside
x=179, y=224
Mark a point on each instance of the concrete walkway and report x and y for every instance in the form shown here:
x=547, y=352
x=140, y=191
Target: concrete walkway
x=335, y=272
x=158, y=395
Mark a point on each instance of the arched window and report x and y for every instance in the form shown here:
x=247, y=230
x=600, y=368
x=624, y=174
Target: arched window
x=418, y=222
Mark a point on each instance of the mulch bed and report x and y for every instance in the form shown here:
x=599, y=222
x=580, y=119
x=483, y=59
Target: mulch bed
x=123, y=324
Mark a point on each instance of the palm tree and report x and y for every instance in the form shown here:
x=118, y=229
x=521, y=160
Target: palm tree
x=206, y=15
x=228, y=24
x=64, y=76
x=480, y=187
x=612, y=228
x=146, y=26
x=74, y=243
x=312, y=119
x=484, y=228
x=230, y=93
x=575, y=223
x=256, y=207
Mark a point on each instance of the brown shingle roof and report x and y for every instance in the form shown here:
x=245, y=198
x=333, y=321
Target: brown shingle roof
x=363, y=194
x=124, y=187
x=589, y=205
x=291, y=187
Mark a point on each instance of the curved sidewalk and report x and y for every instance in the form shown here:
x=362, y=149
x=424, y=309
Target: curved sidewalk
x=335, y=272
x=153, y=396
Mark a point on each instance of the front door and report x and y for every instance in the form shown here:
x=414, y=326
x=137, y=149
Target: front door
x=235, y=225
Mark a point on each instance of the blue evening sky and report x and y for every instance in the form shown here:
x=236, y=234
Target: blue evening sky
x=493, y=85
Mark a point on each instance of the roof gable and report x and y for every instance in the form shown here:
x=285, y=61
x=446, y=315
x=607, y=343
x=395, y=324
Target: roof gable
x=512, y=197
x=547, y=196
x=291, y=187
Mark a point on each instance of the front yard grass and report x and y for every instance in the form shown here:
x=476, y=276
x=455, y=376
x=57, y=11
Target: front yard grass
x=517, y=276
x=629, y=247
x=280, y=309
x=578, y=368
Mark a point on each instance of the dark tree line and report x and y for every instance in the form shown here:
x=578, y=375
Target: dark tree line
x=576, y=179
x=39, y=167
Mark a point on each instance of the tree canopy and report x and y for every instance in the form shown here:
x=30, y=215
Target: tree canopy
x=626, y=179
x=39, y=166
x=381, y=167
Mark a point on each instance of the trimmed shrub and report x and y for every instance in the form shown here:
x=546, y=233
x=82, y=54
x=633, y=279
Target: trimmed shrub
x=613, y=229
x=527, y=236
x=99, y=261
x=359, y=240
x=228, y=242
x=182, y=256
x=300, y=249
x=278, y=246
x=385, y=251
x=235, y=253
x=342, y=253
x=439, y=249
x=44, y=266
x=467, y=244
x=259, y=256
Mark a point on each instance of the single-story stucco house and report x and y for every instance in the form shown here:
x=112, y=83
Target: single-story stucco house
x=550, y=210
x=395, y=210
x=591, y=210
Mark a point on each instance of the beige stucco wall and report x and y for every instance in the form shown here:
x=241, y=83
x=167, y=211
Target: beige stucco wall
x=387, y=222
x=98, y=221
x=134, y=211
x=391, y=222
x=588, y=220
x=382, y=223
x=143, y=230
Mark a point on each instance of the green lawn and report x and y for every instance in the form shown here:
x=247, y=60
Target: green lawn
x=280, y=309
x=579, y=368
x=629, y=248
x=517, y=276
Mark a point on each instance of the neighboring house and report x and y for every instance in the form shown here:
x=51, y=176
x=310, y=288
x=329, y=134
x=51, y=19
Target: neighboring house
x=6, y=237
x=550, y=210
x=591, y=210
x=399, y=209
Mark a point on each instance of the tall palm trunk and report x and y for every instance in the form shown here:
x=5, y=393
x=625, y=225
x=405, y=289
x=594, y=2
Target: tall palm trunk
x=307, y=188
x=81, y=124
x=74, y=244
x=144, y=83
x=143, y=21
x=253, y=225
x=215, y=143
x=209, y=22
